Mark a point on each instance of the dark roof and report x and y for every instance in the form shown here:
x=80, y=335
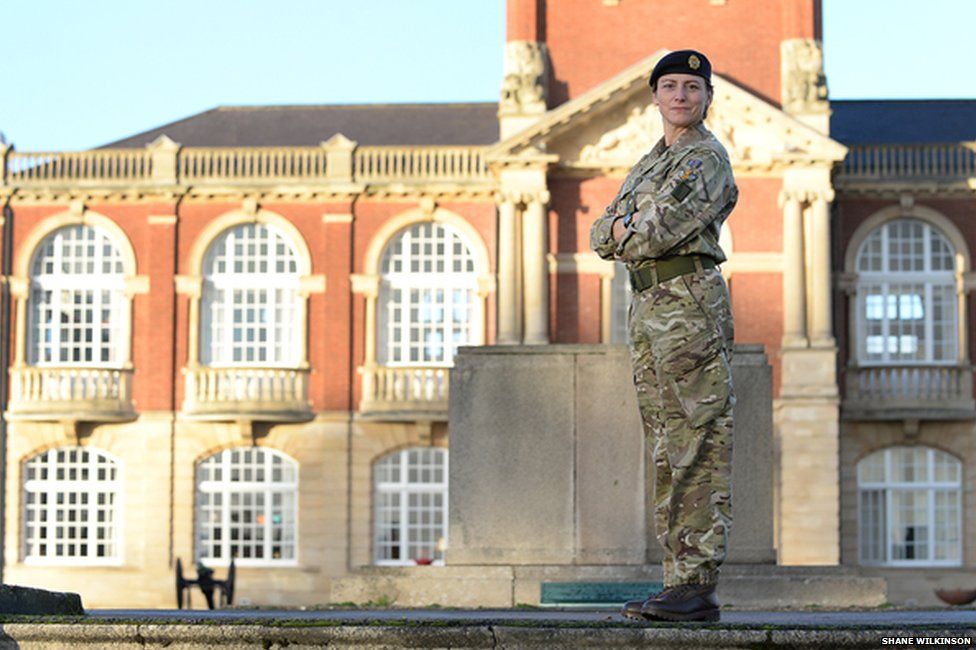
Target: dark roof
x=367, y=124
x=899, y=121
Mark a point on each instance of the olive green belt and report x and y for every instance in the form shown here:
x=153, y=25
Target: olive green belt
x=661, y=270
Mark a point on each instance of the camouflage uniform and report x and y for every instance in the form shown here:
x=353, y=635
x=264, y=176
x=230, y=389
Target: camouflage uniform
x=681, y=344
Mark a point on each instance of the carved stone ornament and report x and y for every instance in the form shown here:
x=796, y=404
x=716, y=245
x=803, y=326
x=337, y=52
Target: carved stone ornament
x=625, y=144
x=752, y=138
x=804, y=84
x=525, y=85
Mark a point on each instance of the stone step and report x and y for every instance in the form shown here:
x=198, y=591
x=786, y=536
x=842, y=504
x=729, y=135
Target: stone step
x=15, y=599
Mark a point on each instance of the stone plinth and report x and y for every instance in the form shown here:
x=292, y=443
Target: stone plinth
x=548, y=458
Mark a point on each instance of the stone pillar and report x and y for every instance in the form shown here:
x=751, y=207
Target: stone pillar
x=19, y=290
x=794, y=281
x=339, y=152
x=803, y=91
x=508, y=254
x=368, y=286
x=807, y=411
x=560, y=423
x=164, y=154
x=821, y=335
x=525, y=86
x=5, y=150
x=535, y=269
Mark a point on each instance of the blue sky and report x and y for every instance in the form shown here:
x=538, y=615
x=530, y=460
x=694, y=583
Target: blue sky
x=76, y=74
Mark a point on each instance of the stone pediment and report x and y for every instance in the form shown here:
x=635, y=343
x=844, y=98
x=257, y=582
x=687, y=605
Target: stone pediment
x=613, y=125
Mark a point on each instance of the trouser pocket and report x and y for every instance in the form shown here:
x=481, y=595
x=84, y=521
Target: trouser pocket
x=697, y=371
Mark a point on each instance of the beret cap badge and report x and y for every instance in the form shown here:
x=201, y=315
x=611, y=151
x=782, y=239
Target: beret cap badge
x=682, y=62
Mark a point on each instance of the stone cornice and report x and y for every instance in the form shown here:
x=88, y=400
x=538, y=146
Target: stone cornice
x=893, y=190
x=238, y=193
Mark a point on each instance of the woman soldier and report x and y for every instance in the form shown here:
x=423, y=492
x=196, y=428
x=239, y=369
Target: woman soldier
x=664, y=224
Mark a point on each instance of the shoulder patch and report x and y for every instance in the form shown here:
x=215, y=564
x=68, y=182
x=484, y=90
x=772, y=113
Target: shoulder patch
x=681, y=191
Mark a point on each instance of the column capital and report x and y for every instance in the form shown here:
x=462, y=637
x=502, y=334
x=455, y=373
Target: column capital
x=807, y=195
x=538, y=196
x=366, y=284
x=846, y=282
x=189, y=285
x=503, y=197
x=790, y=196
x=826, y=195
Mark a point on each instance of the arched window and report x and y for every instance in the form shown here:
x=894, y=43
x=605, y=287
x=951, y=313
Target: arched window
x=410, y=506
x=910, y=507
x=79, y=314
x=429, y=302
x=71, y=507
x=906, y=296
x=251, y=302
x=247, y=507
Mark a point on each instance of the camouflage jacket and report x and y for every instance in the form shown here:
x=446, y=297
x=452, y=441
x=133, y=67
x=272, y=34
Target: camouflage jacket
x=680, y=196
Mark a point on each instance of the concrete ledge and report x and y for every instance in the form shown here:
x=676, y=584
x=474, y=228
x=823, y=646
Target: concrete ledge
x=456, y=634
x=27, y=600
x=746, y=586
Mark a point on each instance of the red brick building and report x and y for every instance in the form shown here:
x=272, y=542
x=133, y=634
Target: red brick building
x=232, y=334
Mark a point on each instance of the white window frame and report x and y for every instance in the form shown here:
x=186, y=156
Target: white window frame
x=887, y=487
x=404, y=488
x=446, y=281
x=119, y=324
x=52, y=487
x=218, y=351
x=226, y=487
x=886, y=280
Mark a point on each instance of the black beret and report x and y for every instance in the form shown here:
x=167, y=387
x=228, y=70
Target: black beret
x=683, y=62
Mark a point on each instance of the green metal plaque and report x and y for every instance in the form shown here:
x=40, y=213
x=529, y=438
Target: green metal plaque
x=608, y=594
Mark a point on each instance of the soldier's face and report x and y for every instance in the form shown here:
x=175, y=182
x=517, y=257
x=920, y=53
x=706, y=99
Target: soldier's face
x=682, y=99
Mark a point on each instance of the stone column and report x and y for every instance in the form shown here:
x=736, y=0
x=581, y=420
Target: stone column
x=508, y=330
x=19, y=290
x=807, y=410
x=535, y=269
x=368, y=286
x=821, y=334
x=794, y=282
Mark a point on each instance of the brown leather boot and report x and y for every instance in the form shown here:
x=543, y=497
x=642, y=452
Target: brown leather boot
x=635, y=609
x=684, y=603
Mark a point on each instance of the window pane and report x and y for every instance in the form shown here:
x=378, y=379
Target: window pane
x=250, y=301
x=904, y=318
x=246, y=506
x=428, y=303
x=922, y=495
x=910, y=525
x=77, y=308
x=410, y=509
x=70, y=506
x=872, y=526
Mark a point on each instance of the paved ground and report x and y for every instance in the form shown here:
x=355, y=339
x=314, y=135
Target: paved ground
x=519, y=629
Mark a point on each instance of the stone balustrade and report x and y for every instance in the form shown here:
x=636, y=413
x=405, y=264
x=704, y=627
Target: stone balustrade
x=246, y=393
x=169, y=164
x=909, y=161
x=247, y=163
x=108, y=167
x=915, y=391
x=420, y=163
x=404, y=391
x=70, y=393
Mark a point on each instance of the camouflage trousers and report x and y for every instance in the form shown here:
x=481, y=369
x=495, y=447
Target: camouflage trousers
x=681, y=348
